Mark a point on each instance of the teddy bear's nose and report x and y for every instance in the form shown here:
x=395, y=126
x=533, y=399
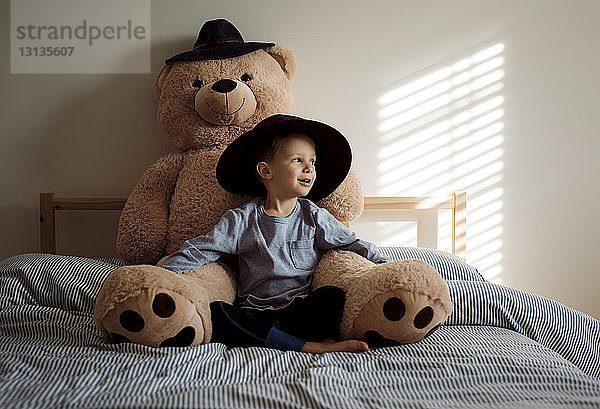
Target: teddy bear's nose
x=224, y=86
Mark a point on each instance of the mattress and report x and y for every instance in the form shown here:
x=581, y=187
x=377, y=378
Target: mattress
x=501, y=347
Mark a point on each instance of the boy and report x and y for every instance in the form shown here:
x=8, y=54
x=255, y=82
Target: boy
x=279, y=236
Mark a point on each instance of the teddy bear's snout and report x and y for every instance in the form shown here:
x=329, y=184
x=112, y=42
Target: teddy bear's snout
x=225, y=102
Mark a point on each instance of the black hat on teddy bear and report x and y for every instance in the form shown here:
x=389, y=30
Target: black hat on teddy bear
x=236, y=169
x=217, y=40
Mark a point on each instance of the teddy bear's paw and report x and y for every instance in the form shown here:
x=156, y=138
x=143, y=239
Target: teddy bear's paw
x=155, y=317
x=398, y=317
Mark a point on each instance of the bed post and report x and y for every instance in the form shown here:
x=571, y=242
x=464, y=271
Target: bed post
x=459, y=224
x=47, y=225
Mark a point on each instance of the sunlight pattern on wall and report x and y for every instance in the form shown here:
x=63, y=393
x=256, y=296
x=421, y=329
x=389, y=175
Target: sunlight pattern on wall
x=441, y=130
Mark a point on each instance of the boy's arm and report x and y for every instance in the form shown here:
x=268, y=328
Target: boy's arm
x=201, y=250
x=331, y=234
x=367, y=250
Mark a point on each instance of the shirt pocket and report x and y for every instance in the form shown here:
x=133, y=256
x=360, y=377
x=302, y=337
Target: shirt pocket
x=304, y=255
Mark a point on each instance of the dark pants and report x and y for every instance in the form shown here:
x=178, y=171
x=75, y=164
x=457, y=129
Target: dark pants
x=313, y=318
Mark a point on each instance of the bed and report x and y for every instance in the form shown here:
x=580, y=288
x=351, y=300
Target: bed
x=501, y=347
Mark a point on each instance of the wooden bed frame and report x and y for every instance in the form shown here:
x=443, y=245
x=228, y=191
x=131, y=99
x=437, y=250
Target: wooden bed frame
x=457, y=203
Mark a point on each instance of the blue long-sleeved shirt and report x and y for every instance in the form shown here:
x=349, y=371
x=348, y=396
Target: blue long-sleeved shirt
x=277, y=256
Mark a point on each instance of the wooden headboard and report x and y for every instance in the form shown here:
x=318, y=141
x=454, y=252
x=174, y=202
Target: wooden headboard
x=457, y=203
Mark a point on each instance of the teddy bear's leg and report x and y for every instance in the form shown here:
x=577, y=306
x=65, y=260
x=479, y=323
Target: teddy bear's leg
x=398, y=317
x=155, y=317
x=387, y=304
x=152, y=306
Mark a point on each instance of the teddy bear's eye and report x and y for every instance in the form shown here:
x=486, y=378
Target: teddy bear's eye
x=246, y=77
x=197, y=84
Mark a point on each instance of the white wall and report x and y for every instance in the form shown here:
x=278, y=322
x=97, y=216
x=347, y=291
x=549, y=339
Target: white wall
x=532, y=226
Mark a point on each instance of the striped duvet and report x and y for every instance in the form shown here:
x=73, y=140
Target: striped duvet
x=500, y=348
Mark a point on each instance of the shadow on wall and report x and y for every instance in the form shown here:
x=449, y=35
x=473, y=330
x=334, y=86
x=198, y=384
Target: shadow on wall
x=441, y=130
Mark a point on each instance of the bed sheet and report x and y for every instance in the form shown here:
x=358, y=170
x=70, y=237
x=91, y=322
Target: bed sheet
x=500, y=348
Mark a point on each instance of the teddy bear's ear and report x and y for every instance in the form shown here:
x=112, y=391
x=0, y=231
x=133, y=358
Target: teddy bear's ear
x=285, y=58
x=161, y=79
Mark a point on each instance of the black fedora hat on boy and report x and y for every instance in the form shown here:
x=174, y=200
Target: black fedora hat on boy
x=217, y=40
x=236, y=169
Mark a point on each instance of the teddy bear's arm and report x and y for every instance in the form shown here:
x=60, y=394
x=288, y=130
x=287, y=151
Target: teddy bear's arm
x=142, y=233
x=346, y=203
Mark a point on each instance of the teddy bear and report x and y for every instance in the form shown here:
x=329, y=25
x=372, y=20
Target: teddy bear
x=207, y=97
x=398, y=302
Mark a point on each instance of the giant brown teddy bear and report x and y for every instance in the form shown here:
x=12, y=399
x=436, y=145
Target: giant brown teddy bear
x=207, y=97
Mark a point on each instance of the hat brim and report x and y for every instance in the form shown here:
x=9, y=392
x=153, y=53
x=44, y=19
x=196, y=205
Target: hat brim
x=219, y=51
x=236, y=169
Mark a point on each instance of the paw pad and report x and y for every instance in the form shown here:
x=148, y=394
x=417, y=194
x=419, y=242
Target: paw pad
x=119, y=339
x=184, y=338
x=394, y=309
x=163, y=305
x=423, y=318
x=397, y=317
x=161, y=318
x=131, y=321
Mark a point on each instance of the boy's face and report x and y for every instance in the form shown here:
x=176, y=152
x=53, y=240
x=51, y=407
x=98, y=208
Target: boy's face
x=292, y=171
